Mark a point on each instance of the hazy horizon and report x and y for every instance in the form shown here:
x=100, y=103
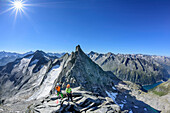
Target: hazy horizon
x=84, y=51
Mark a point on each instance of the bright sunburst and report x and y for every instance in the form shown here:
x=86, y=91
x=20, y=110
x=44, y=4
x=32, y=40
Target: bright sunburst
x=18, y=4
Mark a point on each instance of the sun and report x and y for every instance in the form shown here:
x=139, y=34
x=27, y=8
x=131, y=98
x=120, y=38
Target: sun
x=17, y=7
x=18, y=4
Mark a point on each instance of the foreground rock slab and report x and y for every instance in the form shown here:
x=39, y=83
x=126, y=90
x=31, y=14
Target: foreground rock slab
x=82, y=103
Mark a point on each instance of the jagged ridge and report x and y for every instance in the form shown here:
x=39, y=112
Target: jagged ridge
x=134, y=68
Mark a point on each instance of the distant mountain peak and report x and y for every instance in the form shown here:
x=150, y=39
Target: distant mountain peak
x=40, y=51
x=92, y=52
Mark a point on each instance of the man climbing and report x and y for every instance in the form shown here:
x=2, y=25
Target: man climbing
x=58, y=90
x=69, y=92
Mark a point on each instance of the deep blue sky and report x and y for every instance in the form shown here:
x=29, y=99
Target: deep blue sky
x=118, y=26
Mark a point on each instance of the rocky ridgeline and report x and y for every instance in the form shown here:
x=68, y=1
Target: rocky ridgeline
x=82, y=103
x=117, y=101
x=143, y=69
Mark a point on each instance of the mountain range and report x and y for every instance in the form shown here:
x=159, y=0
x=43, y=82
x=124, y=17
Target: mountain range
x=29, y=83
x=6, y=57
x=137, y=68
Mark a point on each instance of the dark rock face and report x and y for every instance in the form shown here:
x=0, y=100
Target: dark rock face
x=135, y=68
x=82, y=71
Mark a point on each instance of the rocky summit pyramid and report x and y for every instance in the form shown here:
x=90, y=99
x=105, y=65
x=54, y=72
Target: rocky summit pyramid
x=81, y=71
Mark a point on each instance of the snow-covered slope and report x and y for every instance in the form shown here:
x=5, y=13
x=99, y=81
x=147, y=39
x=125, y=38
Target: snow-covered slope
x=47, y=84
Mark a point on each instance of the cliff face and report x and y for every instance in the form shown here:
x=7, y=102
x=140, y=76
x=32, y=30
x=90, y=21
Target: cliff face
x=141, y=69
x=80, y=70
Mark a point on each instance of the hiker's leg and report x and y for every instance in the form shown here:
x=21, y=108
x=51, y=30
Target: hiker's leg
x=61, y=95
x=71, y=97
x=58, y=93
x=68, y=96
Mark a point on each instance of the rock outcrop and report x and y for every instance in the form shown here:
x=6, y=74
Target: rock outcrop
x=82, y=102
x=80, y=70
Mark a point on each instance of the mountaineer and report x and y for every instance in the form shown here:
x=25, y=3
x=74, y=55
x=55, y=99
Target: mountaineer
x=58, y=90
x=69, y=92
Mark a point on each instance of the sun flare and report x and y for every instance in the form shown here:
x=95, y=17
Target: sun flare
x=17, y=7
x=18, y=4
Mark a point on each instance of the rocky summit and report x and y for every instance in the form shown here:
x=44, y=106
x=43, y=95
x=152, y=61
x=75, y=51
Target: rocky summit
x=83, y=102
x=28, y=85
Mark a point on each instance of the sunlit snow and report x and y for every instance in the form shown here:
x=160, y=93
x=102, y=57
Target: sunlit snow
x=47, y=84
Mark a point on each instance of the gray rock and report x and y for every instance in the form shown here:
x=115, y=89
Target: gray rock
x=84, y=103
x=143, y=69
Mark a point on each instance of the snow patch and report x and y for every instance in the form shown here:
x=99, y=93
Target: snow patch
x=121, y=105
x=23, y=62
x=130, y=111
x=124, y=101
x=55, y=67
x=47, y=84
x=112, y=95
x=46, y=57
x=1, y=109
x=22, y=65
x=136, y=107
x=114, y=88
x=145, y=109
x=40, y=76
